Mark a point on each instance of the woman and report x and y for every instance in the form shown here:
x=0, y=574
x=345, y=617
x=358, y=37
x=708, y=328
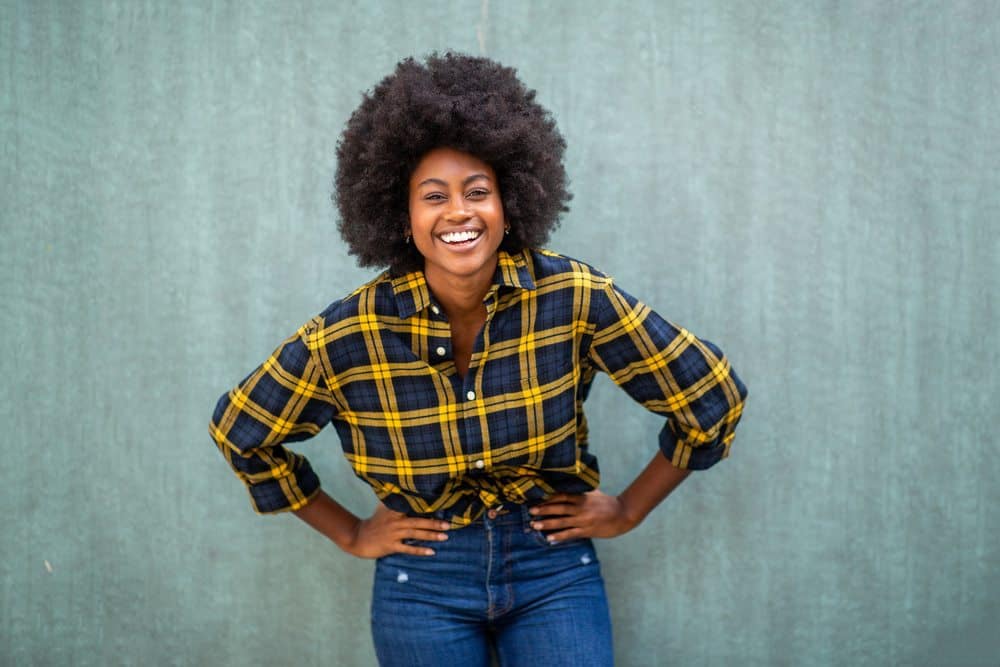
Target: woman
x=456, y=381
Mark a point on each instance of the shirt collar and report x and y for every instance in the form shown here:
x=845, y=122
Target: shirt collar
x=413, y=295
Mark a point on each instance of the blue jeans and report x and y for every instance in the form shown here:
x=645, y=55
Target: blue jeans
x=496, y=583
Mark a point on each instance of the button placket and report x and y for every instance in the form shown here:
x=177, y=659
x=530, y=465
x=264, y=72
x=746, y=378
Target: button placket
x=437, y=345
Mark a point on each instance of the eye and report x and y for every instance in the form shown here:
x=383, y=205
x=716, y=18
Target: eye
x=434, y=197
x=478, y=193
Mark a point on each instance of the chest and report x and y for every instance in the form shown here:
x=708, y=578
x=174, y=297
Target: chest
x=463, y=340
x=428, y=359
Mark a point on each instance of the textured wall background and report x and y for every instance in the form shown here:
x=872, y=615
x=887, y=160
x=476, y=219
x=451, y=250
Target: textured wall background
x=811, y=185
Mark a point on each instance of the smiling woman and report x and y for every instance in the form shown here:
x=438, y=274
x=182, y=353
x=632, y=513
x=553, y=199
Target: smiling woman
x=456, y=381
x=456, y=217
x=473, y=105
x=457, y=224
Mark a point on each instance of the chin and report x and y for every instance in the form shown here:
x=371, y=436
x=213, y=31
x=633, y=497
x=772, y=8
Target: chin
x=466, y=266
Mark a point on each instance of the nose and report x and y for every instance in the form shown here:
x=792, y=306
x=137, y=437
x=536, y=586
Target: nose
x=458, y=211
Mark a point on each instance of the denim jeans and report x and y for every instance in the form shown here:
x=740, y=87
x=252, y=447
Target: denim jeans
x=497, y=583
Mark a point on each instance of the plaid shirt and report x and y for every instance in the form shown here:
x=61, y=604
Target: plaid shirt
x=378, y=364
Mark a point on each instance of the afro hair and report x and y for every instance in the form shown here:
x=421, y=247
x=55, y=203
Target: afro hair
x=471, y=104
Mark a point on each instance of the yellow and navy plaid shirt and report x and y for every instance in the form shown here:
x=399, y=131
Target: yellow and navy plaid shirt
x=378, y=364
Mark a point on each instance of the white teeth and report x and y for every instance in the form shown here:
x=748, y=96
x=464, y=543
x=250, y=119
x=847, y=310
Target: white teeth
x=459, y=237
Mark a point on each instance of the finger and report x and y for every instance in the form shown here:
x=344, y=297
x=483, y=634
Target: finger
x=427, y=535
x=572, y=498
x=424, y=524
x=555, y=524
x=563, y=535
x=414, y=550
x=554, y=509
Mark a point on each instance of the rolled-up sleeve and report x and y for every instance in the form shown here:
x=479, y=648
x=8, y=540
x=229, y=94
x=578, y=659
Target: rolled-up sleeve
x=283, y=400
x=672, y=373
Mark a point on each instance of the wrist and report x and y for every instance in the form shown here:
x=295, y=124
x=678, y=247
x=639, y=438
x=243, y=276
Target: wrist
x=347, y=537
x=629, y=514
x=331, y=519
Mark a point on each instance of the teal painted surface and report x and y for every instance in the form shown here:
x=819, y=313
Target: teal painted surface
x=813, y=186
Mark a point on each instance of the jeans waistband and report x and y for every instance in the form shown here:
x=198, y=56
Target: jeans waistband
x=503, y=514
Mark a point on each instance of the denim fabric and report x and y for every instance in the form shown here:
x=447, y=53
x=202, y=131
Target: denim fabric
x=499, y=583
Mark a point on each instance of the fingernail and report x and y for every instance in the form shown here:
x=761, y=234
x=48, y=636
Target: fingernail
x=442, y=536
x=533, y=510
x=552, y=540
x=536, y=525
x=445, y=525
x=428, y=552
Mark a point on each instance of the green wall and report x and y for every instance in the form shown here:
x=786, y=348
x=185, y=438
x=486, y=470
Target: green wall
x=811, y=185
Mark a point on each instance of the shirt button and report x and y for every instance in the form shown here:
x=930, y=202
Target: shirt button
x=435, y=310
x=480, y=464
x=440, y=351
x=471, y=396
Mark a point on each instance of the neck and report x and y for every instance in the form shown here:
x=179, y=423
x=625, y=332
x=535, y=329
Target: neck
x=461, y=296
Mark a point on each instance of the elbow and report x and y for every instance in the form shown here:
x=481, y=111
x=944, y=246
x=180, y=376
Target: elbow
x=220, y=407
x=741, y=395
x=215, y=423
x=740, y=385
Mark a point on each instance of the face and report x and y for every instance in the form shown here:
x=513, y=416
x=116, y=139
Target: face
x=456, y=216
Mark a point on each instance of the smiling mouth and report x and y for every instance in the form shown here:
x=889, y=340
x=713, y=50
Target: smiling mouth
x=460, y=238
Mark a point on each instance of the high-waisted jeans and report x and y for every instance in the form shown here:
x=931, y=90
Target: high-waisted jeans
x=499, y=583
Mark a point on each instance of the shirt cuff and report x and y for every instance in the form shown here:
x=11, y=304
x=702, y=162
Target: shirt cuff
x=683, y=455
x=289, y=491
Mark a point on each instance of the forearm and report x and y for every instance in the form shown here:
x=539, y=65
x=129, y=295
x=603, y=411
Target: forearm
x=330, y=518
x=597, y=514
x=650, y=487
x=384, y=532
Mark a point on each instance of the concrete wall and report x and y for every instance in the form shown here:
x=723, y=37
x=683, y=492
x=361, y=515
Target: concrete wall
x=811, y=185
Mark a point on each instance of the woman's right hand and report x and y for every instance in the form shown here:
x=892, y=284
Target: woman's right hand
x=385, y=531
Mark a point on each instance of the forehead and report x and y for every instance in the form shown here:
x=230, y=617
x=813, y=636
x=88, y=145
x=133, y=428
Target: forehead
x=449, y=164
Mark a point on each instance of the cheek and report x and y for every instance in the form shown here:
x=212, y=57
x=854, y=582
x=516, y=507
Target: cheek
x=416, y=208
x=418, y=219
x=496, y=211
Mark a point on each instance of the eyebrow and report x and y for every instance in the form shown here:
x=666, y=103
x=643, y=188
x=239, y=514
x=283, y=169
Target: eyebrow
x=438, y=181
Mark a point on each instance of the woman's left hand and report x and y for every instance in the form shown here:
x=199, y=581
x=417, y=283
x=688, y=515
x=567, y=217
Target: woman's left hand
x=591, y=514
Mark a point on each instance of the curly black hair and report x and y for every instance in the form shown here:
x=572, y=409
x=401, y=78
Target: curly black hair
x=471, y=104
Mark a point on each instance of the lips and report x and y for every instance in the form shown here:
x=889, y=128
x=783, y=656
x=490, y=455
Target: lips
x=460, y=237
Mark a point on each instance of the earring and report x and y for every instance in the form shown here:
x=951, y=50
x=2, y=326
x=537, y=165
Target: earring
x=408, y=238
x=506, y=229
